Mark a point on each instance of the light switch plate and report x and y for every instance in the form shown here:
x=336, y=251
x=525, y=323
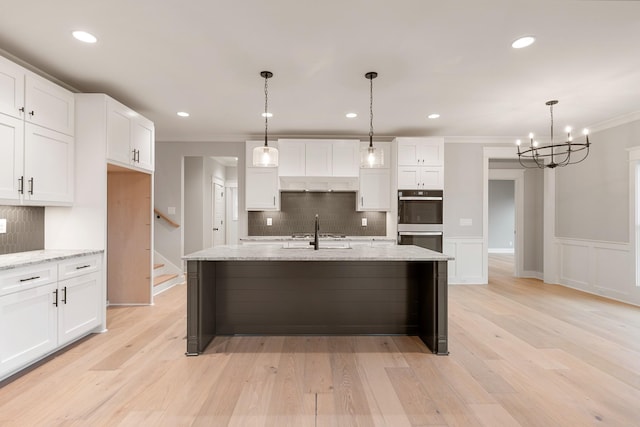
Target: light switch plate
x=3, y=226
x=364, y=222
x=269, y=221
x=171, y=210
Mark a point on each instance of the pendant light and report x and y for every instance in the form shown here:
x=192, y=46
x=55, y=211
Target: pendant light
x=265, y=156
x=371, y=157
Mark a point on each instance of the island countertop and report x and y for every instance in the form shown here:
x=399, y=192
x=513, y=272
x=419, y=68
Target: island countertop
x=278, y=252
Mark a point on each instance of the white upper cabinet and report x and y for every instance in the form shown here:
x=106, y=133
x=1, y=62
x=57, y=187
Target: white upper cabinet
x=421, y=151
x=375, y=190
x=49, y=105
x=318, y=157
x=420, y=163
x=262, y=192
x=130, y=137
x=345, y=157
x=36, y=139
x=291, y=157
x=11, y=88
x=48, y=167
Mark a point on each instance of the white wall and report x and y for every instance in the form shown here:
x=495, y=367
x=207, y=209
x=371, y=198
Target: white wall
x=168, y=188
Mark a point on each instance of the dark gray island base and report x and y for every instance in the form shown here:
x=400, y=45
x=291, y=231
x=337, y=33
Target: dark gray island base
x=270, y=290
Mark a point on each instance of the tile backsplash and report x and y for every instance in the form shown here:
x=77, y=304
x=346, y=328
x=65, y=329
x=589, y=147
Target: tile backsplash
x=336, y=211
x=25, y=229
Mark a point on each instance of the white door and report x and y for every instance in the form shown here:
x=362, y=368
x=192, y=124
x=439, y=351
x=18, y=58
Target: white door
x=219, y=235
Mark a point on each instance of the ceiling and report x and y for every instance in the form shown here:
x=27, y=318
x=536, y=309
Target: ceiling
x=454, y=58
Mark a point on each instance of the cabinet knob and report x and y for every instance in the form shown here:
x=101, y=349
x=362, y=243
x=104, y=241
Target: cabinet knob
x=32, y=113
x=21, y=109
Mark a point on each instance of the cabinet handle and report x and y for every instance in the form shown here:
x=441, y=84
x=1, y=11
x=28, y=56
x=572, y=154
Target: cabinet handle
x=137, y=156
x=31, y=185
x=21, y=185
x=83, y=266
x=32, y=113
x=55, y=300
x=64, y=295
x=274, y=200
x=361, y=200
x=134, y=155
x=30, y=278
x=21, y=109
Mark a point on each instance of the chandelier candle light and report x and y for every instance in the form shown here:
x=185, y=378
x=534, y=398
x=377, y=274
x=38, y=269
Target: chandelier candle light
x=554, y=155
x=265, y=156
x=371, y=157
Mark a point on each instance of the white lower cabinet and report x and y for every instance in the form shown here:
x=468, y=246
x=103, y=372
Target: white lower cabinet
x=28, y=320
x=46, y=306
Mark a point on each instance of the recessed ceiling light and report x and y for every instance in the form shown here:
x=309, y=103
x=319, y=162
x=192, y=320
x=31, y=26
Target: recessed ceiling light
x=523, y=42
x=351, y=115
x=183, y=114
x=267, y=115
x=83, y=36
x=433, y=116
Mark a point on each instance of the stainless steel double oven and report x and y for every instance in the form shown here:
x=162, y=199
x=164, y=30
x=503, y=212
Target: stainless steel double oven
x=420, y=218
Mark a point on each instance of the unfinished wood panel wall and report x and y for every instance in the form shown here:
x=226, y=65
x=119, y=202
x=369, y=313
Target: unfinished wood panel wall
x=129, y=219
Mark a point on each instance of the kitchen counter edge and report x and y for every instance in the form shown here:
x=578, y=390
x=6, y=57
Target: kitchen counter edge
x=23, y=259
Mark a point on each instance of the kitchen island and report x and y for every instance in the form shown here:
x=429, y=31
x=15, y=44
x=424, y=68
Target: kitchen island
x=279, y=290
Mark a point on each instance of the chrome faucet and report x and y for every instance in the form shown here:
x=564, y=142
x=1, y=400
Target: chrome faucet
x=315, y=242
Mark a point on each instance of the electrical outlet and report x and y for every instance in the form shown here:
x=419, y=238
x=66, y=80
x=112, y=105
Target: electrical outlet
x=466, y=222
x=364, y=222
x=3, y=226
x=269, y=221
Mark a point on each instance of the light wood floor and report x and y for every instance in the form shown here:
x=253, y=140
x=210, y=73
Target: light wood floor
x=522, y=353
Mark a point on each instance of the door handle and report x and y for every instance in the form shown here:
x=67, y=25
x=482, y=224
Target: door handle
x=215, y=229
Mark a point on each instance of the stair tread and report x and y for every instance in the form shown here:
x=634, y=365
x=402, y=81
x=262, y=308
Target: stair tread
x=156, y=266
x=163, y=278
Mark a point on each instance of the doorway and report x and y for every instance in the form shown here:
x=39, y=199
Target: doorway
x=218, y=229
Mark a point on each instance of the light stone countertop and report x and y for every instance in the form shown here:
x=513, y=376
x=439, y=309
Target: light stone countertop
x=277, y=252
x=23, y=259
x=295, y=239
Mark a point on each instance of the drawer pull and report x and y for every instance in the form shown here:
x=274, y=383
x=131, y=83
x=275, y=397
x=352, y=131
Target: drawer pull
x=30, y=278
x=83, y=266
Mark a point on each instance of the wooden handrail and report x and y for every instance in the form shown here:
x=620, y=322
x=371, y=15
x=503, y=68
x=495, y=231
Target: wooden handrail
x=166, y=218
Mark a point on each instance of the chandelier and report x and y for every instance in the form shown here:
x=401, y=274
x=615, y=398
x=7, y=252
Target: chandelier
x=371, y=157
x=553, y=155
x=265, y=156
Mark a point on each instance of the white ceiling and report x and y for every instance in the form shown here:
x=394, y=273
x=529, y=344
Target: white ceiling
x=453, y=57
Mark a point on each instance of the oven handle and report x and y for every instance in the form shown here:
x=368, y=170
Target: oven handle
x=421, y=198
x=420, y=233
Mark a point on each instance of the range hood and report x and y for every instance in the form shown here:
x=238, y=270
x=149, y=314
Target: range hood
x=318, y=183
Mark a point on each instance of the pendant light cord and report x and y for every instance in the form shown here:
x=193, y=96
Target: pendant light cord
x=266, y=115
x=371, y=112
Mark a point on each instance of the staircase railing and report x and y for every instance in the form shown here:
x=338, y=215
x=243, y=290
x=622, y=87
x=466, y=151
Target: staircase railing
x=166, y=218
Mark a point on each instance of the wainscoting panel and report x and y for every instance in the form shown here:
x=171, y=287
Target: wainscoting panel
x=602, y=268
x=468, y=266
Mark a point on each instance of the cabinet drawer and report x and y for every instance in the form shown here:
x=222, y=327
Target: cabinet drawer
x=23, y=278
x=78, y=267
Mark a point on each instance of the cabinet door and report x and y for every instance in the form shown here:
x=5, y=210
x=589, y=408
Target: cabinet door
x=79, y=306
x=291, y=158
x=28, y=329
x=11, y=89
x=11, y=160
x=408, y=177
x=375, y=190
x=48, y=166
x=49, y=105
x=262, y=189
x=318, y=158
x=143, y=141
x=432, y=178
x=408, y=151
x=345, y=158
x=119, y=133
x=431, y=152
